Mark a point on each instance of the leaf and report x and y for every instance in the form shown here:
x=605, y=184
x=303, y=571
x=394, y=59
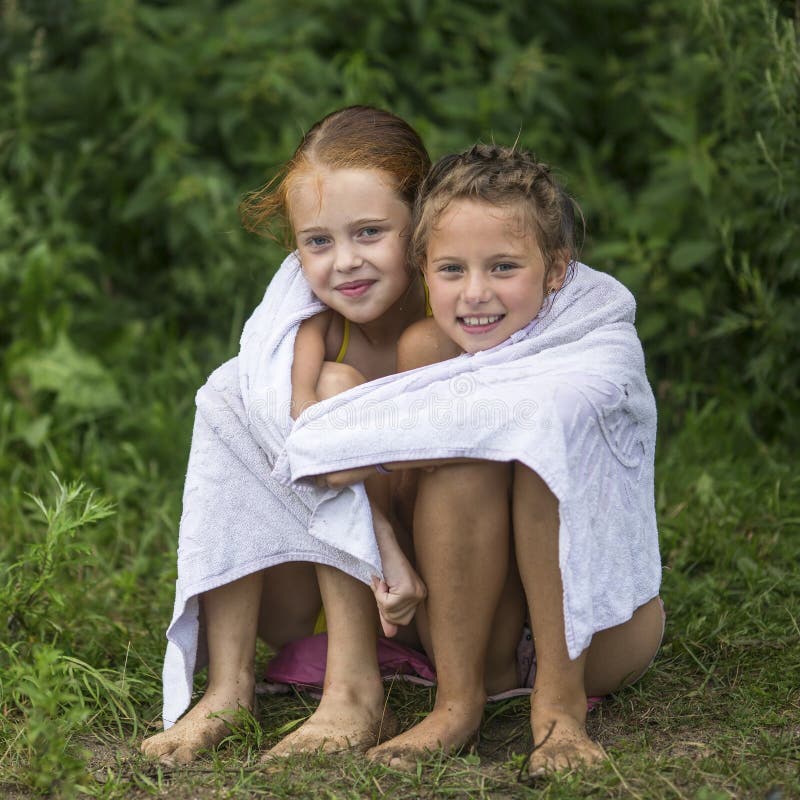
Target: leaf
x=691, y=301
x=35, y=432
x=650, y=325
x=79, y=380
x=679, y=130
x=689, y=254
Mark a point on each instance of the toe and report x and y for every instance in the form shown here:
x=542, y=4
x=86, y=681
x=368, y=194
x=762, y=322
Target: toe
x=184, y=755
x=156, y=748
x=380, y=755
x=403, y=763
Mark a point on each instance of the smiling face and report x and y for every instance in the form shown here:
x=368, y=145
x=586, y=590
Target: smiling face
x=352, y=231
x=485, y=273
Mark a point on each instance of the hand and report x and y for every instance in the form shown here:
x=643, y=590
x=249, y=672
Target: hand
x=398, y=603
x=345, y=477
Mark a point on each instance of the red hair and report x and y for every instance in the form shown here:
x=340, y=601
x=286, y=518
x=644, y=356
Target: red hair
x=357, y=137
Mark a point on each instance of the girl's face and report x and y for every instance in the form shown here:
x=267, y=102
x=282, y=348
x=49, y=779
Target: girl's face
x=352, y=230
x=485, y=273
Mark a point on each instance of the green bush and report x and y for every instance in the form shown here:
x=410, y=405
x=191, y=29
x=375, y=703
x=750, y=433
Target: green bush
x=130, y=130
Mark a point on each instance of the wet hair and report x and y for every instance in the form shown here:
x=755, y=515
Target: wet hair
x=504, y=177
x=356, y=137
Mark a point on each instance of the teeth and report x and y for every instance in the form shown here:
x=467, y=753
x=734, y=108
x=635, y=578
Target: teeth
x=480, y=320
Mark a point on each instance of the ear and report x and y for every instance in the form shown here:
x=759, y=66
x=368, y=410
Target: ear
x=557, y=273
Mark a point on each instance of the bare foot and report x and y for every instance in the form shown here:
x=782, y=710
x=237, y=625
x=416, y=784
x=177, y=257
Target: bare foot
x=560, y=741
x=344, y=720
x=448, y=728
x=204, y=726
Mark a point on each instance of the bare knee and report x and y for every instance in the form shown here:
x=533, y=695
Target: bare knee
x=337, y=378
x=473, y=484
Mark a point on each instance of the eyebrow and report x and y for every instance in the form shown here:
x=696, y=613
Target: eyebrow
x=493, y=257
x=352, y=224
x=368, y=220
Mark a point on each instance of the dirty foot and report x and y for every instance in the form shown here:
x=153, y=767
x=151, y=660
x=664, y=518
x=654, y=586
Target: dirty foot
x=204, y=726
x=449, y=728
x=560, y=741
x=342, y=721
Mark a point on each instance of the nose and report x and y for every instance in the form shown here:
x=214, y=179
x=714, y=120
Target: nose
x=476, y=289
x=346, y=258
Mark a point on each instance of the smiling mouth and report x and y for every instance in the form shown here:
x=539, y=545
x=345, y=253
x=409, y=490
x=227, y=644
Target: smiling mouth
x=354, y=288
x=476, y=324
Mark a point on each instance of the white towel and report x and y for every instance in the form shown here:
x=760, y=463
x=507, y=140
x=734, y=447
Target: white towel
x=236, y=518
x=569, y=398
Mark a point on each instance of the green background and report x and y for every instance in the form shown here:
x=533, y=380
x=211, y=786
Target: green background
x=129, y=132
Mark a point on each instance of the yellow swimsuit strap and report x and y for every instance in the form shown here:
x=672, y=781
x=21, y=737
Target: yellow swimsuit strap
x=346, y=328
x=345, y=341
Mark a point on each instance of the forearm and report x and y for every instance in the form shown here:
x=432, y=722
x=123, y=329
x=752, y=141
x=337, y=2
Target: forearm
x=303, y=397
x=388, y=546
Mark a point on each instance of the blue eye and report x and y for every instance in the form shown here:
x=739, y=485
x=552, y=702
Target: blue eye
x=452, y=269
x=317, y=241
x=505, y=267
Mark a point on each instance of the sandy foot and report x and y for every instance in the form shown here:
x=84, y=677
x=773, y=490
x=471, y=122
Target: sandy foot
x=204, y=726
x=447, y=728
x=344, y=722
x=560, y=742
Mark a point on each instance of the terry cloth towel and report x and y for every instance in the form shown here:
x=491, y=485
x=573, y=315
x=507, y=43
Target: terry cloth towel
x=568, y=397
x=236, y=518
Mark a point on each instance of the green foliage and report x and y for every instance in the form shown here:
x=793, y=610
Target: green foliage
x=34, y=591
x=128, y=133
x=48, y=694
x=708, y=240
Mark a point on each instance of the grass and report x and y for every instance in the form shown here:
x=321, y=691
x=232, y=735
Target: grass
x=86, y=592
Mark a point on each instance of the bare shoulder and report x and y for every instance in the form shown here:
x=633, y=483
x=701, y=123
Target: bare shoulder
x=424, y=343
x=323, y=327
x=319, y=322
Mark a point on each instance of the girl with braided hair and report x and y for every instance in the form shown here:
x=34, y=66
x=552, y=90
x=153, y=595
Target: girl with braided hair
x=514, y=537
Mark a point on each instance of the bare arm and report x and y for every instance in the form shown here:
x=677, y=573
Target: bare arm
x=421, y=344
x=401, y=590
x=309, y=355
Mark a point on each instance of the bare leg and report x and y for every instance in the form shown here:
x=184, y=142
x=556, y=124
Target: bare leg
x=352, y=713
x=231, y=616
x=280, y=609
x=461, y=535
x=558, y=702
x=281, y=604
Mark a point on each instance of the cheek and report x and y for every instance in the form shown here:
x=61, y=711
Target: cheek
x=311, y=271
x=441, y=304
x=534, y=303
x=525, y=303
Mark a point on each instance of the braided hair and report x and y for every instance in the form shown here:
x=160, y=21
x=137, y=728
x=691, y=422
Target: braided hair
x=505, y=177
